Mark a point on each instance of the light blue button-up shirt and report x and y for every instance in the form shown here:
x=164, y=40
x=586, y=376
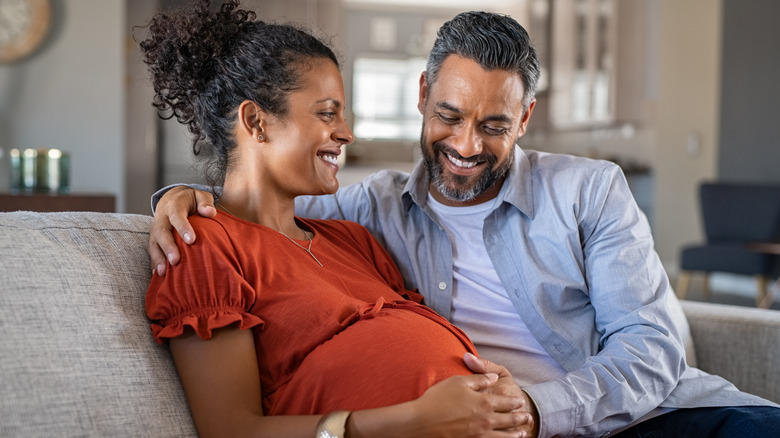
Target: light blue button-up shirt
x=577, y=259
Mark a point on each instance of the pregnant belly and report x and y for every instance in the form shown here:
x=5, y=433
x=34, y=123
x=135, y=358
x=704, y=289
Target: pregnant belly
x=391, y=354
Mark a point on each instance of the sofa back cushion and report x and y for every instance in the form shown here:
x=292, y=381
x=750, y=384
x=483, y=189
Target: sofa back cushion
x=76, y=353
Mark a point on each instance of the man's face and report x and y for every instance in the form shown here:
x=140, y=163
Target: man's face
x=471, y=120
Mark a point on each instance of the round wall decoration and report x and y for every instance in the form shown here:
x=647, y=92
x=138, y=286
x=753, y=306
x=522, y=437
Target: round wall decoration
x=23, y=27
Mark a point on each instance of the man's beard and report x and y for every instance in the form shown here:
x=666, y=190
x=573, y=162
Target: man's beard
x=456, y=187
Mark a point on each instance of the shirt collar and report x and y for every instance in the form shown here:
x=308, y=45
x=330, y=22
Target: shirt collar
x=517, y=189
x=416, y=189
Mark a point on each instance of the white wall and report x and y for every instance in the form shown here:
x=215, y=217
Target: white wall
x=70, y=96
x=688, y=103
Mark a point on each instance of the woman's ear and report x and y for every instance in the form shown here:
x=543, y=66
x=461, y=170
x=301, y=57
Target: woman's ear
x=251, y=121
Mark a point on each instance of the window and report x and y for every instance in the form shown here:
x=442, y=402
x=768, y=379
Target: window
x=385, y=93
x=583, y=66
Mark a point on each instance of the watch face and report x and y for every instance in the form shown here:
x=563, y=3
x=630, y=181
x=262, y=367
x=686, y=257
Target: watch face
x=23, y=25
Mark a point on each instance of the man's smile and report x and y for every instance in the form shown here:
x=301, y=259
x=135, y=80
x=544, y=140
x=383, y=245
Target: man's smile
x=460, y=163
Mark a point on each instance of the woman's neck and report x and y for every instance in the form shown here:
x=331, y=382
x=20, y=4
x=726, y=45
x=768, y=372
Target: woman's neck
x=262, y=206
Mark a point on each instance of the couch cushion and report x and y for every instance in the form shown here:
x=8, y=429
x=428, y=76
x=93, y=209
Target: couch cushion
x=76, y=353
x=738, y=344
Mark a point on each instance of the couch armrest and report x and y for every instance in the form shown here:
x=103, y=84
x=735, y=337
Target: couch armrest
x=741, y=344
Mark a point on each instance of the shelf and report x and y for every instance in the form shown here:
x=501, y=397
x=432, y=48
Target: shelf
x=51, y=202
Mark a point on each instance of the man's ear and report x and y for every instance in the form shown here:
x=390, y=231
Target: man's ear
x=526, y=118
x=251, y=119
x=423, y=94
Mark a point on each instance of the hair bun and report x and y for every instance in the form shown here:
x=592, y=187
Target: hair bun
x=184, y=51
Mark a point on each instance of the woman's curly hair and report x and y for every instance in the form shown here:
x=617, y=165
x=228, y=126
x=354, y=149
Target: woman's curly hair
x=205, y=62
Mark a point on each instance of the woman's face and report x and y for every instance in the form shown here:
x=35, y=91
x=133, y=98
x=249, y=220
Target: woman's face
x=302, y=148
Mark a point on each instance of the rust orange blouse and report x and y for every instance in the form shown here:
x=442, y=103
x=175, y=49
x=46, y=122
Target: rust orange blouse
x=345, y=335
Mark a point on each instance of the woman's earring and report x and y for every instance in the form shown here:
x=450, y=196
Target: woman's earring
x=260, y=138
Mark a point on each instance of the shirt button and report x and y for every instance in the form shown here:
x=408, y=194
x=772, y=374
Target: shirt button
x=442, y=285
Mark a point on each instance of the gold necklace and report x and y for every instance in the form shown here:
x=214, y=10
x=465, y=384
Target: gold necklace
x=311, y=240
x=305, y=233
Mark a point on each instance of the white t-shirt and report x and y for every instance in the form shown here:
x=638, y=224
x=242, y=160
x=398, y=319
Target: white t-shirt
x=480, y=305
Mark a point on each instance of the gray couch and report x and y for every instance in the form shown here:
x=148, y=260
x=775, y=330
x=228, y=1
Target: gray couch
x=77, y=356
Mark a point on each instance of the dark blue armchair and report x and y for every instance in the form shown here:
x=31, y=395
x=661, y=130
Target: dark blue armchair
x=735, y=216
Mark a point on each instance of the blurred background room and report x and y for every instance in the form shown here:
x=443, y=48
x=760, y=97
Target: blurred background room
x=677, y=93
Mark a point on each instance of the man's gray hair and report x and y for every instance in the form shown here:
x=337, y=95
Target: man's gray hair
x=494, y=41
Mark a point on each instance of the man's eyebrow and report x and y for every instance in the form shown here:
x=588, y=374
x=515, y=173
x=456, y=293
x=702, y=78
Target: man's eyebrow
x=502, y=118
x=448, y=107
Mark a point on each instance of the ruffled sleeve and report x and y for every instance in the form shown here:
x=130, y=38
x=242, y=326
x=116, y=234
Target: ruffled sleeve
x=205, y=291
